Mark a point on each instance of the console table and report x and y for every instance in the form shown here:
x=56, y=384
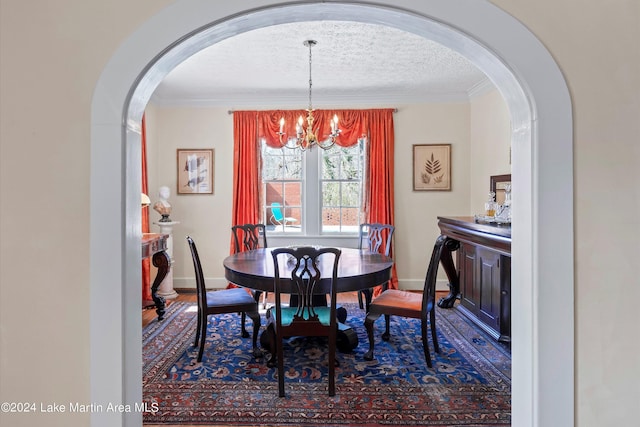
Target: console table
x=481, y=275
x=155, y=245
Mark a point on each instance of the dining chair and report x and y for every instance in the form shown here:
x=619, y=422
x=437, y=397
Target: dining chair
x=247, y=237
x=277, y=217
x=297, y=271
x=235, y=300
x=377, y=238
x=409, y=304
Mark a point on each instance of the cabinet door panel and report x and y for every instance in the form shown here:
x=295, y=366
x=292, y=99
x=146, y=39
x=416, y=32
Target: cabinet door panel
x=488, y=263
x=468, y=289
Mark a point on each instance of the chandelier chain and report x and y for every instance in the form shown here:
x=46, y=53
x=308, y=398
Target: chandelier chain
x=310, y=81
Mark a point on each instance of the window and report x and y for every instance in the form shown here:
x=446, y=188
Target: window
x=313, y=192
x=342, y=170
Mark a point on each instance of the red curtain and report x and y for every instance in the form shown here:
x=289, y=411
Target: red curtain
x=246, y=169
x=146, y=263
x=353, y=124
x=252, y=126
x=379, y=199
x=246, y=172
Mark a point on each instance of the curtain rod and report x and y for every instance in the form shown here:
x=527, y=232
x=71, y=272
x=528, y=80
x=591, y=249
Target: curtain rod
x=395, y=110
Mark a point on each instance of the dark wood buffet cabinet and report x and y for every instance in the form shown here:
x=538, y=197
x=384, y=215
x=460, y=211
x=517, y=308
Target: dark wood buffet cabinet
x=481, y=275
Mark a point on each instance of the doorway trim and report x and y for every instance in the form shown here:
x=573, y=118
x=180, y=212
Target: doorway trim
x=510, y=55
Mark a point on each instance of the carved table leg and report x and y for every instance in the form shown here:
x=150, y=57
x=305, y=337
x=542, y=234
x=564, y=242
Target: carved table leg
x=450, y=245
x=162, y=261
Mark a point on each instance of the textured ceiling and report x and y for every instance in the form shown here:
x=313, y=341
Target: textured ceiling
x=353, y=64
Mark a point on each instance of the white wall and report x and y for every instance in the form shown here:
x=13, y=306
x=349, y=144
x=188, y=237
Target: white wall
x=207, y=218
x=417, y=211
x=490, y=147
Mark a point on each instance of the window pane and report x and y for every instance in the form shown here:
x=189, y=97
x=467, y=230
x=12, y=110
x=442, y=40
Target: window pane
x=293, y=194
x=331, y=164
x=351, y=194
x=330, y=219
x=292, y=165
x=341, y=188
x=280, y=163
x=330, y=194
x=350, y=165
x=350, y=217
x=270, y=167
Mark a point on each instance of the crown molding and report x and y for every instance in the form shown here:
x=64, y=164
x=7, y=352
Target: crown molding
x=345, y=100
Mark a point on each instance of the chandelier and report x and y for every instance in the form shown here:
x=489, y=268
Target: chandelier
x=305, y=138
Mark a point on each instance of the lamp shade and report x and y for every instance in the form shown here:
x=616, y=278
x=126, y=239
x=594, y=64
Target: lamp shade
x=144, y=200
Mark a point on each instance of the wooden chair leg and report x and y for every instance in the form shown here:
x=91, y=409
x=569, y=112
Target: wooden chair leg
x=332, y=363
x=425, y=341
x=203, y=335
x=387, y=334
x=195, y=344
x=368, y=324
x=255, y=317
x=432, y=322
x=280, y=362
x=243, y=320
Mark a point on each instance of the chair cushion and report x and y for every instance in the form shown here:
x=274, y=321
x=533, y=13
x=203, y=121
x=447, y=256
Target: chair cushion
x=229, y=297
x=395, y=301
x=288, y=313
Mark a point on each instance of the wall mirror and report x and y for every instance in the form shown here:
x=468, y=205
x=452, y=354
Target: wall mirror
x=497, y=184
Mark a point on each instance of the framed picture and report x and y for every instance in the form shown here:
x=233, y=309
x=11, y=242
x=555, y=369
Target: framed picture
x=432, y=167
x=498, y=184
x=195, y=171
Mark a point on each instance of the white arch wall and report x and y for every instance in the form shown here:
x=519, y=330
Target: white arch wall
x=509, y=54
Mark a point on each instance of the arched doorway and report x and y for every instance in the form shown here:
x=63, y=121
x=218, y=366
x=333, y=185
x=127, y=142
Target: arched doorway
x=506, y=51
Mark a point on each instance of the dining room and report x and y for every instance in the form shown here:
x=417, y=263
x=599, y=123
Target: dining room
x=219, y=380
x=471, y=125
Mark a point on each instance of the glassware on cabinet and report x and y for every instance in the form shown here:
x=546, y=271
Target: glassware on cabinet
x=490, y=205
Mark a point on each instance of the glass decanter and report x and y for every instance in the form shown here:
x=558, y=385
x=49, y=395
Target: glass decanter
x=490, y=206
x=505, y=210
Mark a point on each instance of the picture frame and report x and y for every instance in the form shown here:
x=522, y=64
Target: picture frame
x=432, y=167
x=497, y=184
x=195, y=170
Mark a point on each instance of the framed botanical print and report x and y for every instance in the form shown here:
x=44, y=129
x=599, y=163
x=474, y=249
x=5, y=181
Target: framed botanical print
x=432, y=167
x=195, y=171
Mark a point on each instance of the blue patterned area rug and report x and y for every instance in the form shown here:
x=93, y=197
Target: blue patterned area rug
x=470, y=384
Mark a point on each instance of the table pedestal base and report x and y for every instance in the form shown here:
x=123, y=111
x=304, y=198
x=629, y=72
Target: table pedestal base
x=346, y=338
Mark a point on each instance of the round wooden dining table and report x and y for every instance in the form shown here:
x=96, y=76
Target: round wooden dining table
x=357, y=269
